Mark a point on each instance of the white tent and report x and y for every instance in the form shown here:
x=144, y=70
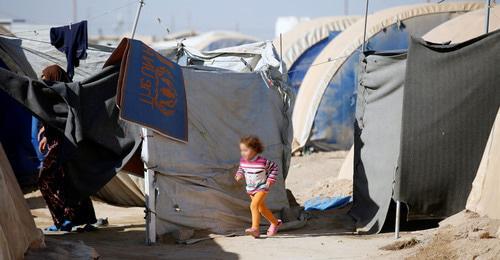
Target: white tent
x=484, y=195
x=464, y=27
x=338, y=61
x=208, y=41
x=308, y=33
x=18, y=232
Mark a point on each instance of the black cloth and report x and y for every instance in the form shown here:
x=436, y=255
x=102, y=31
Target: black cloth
x=73, y=41
x=86, y=114
x=451, y=97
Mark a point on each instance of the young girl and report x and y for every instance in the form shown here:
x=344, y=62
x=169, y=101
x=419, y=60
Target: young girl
x=259, y=174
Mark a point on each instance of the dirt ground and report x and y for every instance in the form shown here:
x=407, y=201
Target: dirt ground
x=327, y=235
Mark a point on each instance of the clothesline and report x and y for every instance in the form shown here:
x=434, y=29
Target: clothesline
x=35, y=31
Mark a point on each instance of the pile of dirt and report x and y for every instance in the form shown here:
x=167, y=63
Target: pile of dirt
x=465, y=235
x=332, y=188
x=63, y=249
x=401, y=244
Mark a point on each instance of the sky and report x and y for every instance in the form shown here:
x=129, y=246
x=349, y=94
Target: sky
x=252, y=17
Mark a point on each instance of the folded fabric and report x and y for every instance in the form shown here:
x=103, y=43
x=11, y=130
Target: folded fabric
x=321, y=204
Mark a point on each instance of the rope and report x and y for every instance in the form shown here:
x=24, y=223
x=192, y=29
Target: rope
x=88, y=18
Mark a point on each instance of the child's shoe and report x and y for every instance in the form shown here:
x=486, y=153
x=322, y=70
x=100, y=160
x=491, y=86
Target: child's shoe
x=252, y=232
x=273, y=229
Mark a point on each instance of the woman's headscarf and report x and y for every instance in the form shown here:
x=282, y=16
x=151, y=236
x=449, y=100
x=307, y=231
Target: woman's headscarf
x=55, y=73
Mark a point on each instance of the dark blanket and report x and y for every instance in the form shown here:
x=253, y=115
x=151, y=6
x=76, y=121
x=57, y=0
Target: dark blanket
x=451, y=97
x=86, y=113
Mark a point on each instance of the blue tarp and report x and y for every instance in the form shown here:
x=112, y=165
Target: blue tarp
x=151, y=90
x=320, y=204
x=299, y=68
x=15, y=136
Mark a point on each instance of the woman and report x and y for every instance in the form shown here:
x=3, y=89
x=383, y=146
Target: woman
x=68, y=209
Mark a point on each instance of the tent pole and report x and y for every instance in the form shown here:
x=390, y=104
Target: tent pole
x=366, y=22
x=141, y=4
x=487, y=16
x=398, y=217
x=149, y=195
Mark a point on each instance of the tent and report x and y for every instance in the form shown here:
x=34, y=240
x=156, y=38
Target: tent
x=18, y=232
x=425, y=156
x=484, y=195
x=195, y=183
x=464, y=27
x=305, y=41
x=208, y=41
x=324, y=109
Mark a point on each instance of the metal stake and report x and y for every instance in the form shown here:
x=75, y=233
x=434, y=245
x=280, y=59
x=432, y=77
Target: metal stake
x=487, y=16
x=141, y=4
x=398, y=217
x=366, y=22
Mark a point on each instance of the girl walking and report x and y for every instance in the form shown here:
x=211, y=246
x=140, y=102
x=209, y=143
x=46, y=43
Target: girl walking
x=260, y=174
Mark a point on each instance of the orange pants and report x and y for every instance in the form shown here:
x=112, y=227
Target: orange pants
x=258, y=207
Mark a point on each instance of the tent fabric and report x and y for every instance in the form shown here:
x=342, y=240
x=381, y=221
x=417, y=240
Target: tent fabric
x=464, y=27
x=86, y=113
x=196, y=180
x=18, y=232
x=443, y=140
x=347, y=169
x=308, y=33
x=208, y=41
x=376, y=139
x=244, y=58
x=342, y=51
x=484, y=195
x=124, y=190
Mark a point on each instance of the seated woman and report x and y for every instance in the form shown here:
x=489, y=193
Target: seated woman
x=67, y=207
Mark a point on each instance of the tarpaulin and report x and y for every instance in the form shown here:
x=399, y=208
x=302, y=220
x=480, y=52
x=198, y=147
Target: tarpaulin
x=377, y=137
x=451, y=98
x=195, y=180
x=150, y=89
x=86, y=113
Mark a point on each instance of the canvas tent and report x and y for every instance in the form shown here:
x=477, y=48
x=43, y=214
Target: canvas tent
x=484, y=195
x=18, y=232
x=464, y=27
x=430, y=153
x=324, y=109
x=195, y=182
x=208, y=41
x=305, y=41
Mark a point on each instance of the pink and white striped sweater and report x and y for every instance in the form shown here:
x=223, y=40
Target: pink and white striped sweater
x=257, y=172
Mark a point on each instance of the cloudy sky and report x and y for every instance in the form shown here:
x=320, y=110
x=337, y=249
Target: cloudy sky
x=253, y=17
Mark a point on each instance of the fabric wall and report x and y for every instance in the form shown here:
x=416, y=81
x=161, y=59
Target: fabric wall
x=123, y=190
x=484, y=195
x=17, y=229
x=195, y=180
x=376, y=145
x=450, y=101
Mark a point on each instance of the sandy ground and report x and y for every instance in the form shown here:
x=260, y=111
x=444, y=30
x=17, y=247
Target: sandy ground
x=327, y=235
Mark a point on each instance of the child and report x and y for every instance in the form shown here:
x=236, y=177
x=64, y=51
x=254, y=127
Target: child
x=259, y=174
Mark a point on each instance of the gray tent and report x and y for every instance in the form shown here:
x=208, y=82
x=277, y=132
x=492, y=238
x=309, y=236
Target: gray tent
x=420, y=134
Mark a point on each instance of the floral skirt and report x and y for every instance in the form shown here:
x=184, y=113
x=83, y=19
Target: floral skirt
x=63, y=201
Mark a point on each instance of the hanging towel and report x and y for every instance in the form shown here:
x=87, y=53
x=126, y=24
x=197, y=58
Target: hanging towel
x=73, y=41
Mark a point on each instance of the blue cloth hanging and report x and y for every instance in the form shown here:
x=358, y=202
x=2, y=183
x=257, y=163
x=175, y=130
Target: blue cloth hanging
x=73, y=41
